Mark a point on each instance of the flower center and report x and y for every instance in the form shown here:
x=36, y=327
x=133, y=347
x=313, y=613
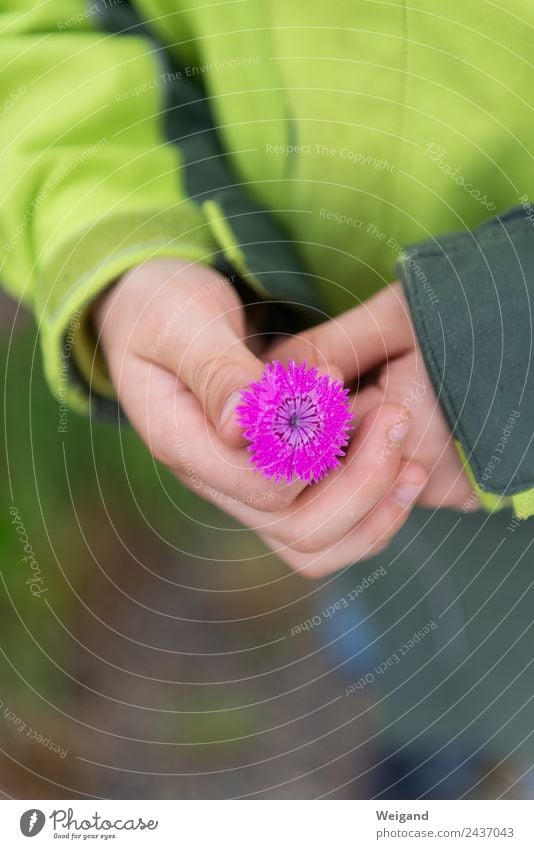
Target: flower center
x=297, y=420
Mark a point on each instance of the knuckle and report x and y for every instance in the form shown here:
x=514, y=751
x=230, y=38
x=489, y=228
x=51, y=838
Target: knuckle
x=214, y=379
x=162, y=453
x=380, y=546
x=293, y=560
x=273, y=500
x=280, y=536
x=307, y=544
x=267, y=503
x=259, y=500
x=281, y=500
x=373, y=492
x=315, y=569
x=306, y=566
x=286, y=558
x=367, y=549
x=161, y=445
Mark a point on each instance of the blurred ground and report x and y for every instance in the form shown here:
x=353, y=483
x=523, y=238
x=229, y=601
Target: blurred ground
x=157, y=662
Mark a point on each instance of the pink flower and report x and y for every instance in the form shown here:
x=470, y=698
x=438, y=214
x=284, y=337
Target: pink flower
x=297, y=422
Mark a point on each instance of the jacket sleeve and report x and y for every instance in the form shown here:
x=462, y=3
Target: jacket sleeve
x=92, y=184
x=471, y=297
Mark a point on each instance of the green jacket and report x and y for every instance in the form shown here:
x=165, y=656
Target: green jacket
x=302, y=145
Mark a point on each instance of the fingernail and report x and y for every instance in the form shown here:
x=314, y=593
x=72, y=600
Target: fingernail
x=229, y=407
x=405, y=495
x=398, y=433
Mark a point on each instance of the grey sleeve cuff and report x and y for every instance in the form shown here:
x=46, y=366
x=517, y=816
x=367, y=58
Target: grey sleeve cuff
x=471, y=298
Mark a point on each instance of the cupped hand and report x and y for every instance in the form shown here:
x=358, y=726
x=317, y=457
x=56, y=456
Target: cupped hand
x=375, y=345
x=173, y=336
x=175, y=339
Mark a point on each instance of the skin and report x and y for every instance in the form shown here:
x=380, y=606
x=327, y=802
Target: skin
x=178, y=349
x=377, y=341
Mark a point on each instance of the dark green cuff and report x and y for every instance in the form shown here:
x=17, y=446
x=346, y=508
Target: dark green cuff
x=471, y=296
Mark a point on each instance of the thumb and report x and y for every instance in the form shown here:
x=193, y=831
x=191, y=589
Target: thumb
x=216, y=367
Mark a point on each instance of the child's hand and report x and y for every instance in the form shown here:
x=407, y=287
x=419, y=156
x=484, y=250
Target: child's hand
x=173, y=336
x=376, y=344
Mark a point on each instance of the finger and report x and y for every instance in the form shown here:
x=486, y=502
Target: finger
x=327, y=512
x=449, y=487
x=356, y=340
x=367, y=399
x=331, y=371
x=173, y=425
x=217, y=366
x=324, y=368
x=371, y=536
x=208, y=353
